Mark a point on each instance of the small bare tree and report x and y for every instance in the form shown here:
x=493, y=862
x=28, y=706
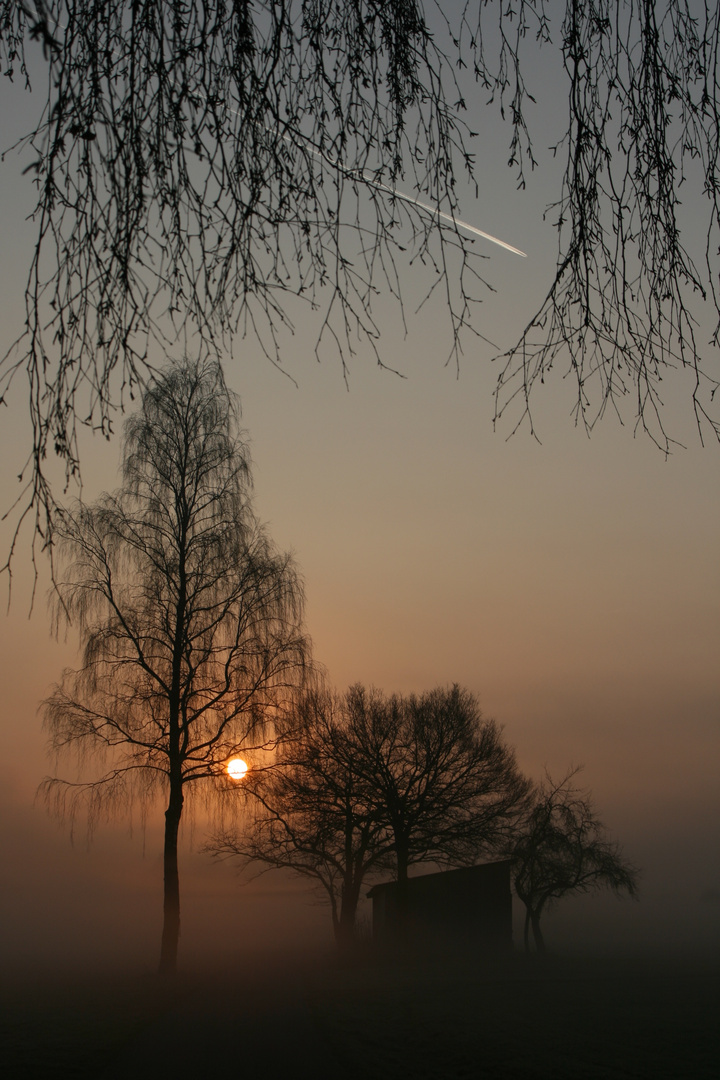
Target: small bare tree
x=563, y=848
x=314, y=813
x=443, y=780
x=190, y=621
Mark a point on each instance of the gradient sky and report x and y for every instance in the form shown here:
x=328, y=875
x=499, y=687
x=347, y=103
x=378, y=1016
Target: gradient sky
x=572, y=583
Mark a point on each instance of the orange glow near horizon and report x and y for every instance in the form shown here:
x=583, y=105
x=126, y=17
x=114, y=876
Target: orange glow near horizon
x=237, y=768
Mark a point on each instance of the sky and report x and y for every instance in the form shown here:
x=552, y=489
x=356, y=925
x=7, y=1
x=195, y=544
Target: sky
x=572, y=583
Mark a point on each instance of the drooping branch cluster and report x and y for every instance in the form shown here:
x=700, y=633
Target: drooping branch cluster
x=200, y=165
x=197, y=162
x=643, y=118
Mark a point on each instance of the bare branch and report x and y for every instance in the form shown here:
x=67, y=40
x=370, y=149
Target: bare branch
x=202, y=168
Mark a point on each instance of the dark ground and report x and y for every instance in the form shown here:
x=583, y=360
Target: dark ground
x=519, y=1020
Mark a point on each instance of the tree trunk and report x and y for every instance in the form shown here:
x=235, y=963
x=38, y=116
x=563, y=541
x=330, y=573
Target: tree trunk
x=526, y=930
x=537, y=932
x=171, y=896
x=345, y=935
x=335, y=916
x=348, y=911
x=403, y=893
x=346, y=925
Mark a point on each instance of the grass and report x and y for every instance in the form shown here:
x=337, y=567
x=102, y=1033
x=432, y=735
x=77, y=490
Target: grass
x=270, y=1017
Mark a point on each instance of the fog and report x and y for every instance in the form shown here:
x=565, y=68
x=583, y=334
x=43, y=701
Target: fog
x=572, y=582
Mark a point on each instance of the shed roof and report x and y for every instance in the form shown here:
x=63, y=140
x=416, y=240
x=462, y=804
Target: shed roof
x=458, y=875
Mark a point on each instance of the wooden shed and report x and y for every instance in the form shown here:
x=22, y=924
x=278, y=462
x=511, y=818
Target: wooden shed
x=468, y=906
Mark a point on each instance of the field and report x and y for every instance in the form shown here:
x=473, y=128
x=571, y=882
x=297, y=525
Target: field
x=270, y=1018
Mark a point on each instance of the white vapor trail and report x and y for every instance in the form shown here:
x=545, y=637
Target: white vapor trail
x=446, y=217
x=358, y=174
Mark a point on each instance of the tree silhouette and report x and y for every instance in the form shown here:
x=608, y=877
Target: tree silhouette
x=200, y=164
x=370, y=781
x=190, y=621
x=563, y=848
x=315, y=814
x=443, y=780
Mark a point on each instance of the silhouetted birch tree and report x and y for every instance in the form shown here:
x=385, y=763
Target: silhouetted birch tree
x=189, y=619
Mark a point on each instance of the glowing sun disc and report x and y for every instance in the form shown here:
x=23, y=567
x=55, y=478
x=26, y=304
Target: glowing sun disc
x=237, y=768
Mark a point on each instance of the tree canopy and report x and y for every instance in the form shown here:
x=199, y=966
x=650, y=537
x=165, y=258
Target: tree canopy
x=444, y=780
x=198, y=164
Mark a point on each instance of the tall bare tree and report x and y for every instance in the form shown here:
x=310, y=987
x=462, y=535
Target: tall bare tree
x=190, y=620
x=563, y=848
x=200, y=163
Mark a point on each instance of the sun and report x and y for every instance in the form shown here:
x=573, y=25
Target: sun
x=237, y=768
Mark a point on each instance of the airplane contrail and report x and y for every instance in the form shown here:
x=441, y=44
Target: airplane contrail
x=447, y=217
x=360, y=174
